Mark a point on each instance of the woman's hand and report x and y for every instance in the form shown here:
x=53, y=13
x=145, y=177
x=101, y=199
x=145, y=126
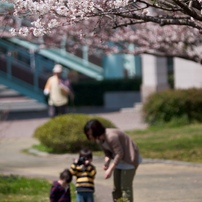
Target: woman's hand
x=105, y=167
x=109, y=171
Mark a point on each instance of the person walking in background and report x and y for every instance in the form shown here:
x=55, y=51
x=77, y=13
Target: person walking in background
x=85, y=173
x=124, y=152
x=60, y=189
x=57, y=91
x=67, y=82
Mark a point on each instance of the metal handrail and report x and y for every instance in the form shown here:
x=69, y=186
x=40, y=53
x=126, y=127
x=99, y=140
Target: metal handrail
x=28, y=57
x=68, y=60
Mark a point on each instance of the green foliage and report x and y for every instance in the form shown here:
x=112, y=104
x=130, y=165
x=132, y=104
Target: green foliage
x=20, y=189
x=64, y=134
x=41, y=148
x=174, y=107
x=122, y=200
x=85, y=91
x=171, y=143
x=14, y=188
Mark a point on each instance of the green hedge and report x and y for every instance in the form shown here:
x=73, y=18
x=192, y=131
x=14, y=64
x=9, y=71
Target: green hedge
x=174, y=106
x=64, y=134
x=91, y=93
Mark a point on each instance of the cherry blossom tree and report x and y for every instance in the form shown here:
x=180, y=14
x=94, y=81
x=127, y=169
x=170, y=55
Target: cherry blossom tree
x=159, y=27
x=169, y=41
x=48, y=14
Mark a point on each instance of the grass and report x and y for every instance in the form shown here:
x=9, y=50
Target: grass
x=182, y=143
x=42, y=148
x=20, y=189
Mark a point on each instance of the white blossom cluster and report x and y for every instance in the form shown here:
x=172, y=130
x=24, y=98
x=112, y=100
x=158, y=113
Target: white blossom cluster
x=46, y=15
x=120, y=3
x=30, y=7
x=72, y=10
x=23, y=31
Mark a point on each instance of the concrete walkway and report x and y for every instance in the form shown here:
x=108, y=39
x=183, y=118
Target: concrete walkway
x=156, y=180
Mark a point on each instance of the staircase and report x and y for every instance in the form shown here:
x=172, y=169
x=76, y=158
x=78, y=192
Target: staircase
x=12, y=101
x=24, y=67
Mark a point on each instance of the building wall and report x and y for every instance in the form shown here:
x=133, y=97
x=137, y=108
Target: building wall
x=154, y=75
x=123, y=99
x=120, y=66
x=187, y=74
x=113, y=66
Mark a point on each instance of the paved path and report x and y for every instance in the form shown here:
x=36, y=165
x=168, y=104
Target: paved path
x=156, y=181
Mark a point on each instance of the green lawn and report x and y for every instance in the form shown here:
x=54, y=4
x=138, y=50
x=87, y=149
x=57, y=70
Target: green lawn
x=20, y=189
x=182, y=143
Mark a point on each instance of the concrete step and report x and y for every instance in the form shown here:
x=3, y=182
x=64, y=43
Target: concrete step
x=12, y=101
x=137, y=107
x=7, y=92
x=21, y=105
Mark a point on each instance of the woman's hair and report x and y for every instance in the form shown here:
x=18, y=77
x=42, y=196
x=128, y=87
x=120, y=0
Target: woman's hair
x=86, y=154
x=66, y=175
x=95, y=126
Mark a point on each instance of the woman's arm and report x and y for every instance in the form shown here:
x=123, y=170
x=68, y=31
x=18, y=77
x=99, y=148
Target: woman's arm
x=106, y=162
x=117, y=150
x=116, y=146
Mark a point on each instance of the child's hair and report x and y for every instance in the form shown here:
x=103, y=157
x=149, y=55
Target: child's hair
x=66, y=175
x=86, y=154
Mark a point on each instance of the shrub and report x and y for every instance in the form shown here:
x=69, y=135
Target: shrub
x=64, y=134
x=172, y=105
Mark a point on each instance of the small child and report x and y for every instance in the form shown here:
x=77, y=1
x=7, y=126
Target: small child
x=60, y=190
x=85, y=174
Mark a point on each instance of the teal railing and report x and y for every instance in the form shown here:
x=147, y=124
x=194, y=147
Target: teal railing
x=21, y=59
x=66, y=59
